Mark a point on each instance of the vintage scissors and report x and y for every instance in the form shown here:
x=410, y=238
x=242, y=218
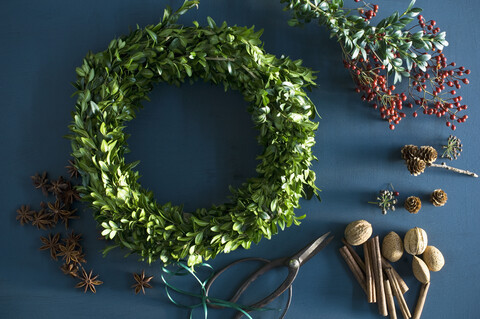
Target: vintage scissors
x=293, y=264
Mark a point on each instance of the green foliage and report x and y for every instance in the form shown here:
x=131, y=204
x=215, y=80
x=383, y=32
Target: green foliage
x=356, y=35
x=111, y=85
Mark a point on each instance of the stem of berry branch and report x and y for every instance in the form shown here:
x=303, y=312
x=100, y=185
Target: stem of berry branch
x=456, y=170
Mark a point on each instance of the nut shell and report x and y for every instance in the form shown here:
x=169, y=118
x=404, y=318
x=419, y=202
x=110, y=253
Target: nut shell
x=420, y=270
x=415, y=241
x=392, y=247
x=358, y=232
x=433, y=258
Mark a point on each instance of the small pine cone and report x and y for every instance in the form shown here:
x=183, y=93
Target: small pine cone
x=438, y=198
x=416, y=166
x=428, y=154
x=413, y=204
x=409, y=152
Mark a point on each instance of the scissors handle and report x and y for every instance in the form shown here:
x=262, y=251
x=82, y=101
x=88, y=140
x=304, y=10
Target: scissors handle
x=218, y=273
x=292, y=264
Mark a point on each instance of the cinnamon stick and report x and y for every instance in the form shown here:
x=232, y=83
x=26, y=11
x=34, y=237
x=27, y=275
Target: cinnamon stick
x=369, y=281
x=403, y=286
x=378, y=275
x=390, y=301
x=398, y=293
x=421, y=301
x=357, y=272
x=354, y=254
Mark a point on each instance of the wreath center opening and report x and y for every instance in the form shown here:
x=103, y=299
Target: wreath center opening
x=193, y=142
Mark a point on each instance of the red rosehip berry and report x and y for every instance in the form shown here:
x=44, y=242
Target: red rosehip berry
x=453, y=127
x=415, y=114
x=395, y=193
x=392, y=127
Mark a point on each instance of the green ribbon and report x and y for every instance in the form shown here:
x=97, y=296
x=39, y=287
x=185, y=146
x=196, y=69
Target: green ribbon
x=205, y=300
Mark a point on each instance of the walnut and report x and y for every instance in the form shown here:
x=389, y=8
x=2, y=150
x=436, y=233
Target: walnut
x=415, y=241
x=358, y=232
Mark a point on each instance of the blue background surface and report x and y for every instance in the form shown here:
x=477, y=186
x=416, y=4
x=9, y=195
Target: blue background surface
x=196, y=140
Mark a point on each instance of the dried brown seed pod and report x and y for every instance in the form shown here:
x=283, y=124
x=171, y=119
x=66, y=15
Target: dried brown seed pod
x=415, y=241
x=413, y=204
x=428, y=154
x=438, y=198
x=416, y=166
x=409, y=152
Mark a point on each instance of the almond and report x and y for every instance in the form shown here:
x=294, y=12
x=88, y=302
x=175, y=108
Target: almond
x=420, y=270
x=392, y=247
x=433, y=258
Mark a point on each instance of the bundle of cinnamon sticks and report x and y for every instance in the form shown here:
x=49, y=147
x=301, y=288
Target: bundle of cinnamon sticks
x=379, y=280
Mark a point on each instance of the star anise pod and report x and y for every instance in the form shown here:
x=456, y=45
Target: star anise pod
x=25, y=214
x=73, y=238
x=57, y=209
x=42, y=220
x=81, y=257
x=72, y=169
x=89, y=282
x=142, y=282
x=67, y=215
x=70, y=269
x=51, y=243
x=69, y=195
x=69, y=253
x=41, y=182
x=58, y=186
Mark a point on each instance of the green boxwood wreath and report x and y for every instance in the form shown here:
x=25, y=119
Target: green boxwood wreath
x=111, y=85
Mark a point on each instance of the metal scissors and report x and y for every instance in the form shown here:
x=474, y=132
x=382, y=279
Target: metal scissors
x=293, y=264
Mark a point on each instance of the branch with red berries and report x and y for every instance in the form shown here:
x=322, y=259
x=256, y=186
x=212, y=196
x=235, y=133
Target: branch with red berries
x=379, y=57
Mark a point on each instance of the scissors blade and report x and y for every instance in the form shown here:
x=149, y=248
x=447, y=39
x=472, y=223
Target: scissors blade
x=312, y=249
